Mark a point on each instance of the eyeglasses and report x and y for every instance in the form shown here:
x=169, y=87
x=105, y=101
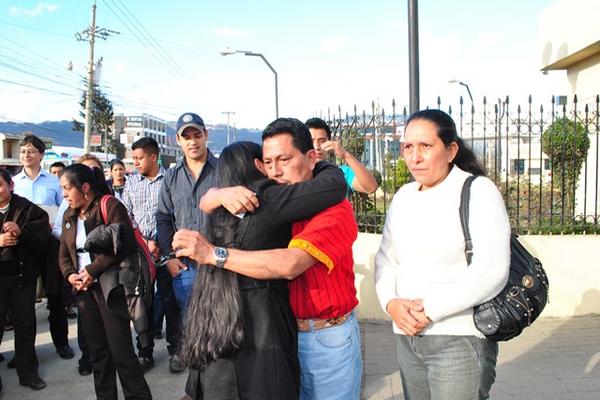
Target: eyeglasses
x=28, y=152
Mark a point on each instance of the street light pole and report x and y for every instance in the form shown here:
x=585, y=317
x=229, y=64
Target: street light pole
x=229, y=51
x=463, y=84
x=228, y=114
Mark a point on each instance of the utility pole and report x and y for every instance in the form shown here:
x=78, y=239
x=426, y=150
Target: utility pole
x=413, y=54
x=90, y=35
x=228, y=114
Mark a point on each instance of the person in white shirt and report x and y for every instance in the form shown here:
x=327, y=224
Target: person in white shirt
x=421, y=274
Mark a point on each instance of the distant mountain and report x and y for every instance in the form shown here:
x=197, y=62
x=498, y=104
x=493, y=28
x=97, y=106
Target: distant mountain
x=62, y=133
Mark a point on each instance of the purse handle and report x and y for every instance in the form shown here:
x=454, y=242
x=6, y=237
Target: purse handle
x=463, y=211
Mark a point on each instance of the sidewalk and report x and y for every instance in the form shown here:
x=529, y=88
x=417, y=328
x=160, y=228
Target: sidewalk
x=554, y=359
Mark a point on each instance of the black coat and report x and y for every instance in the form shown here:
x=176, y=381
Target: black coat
x=21, y=264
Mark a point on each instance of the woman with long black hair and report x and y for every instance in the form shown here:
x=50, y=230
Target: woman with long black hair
x=104, y=315
x=240, y=332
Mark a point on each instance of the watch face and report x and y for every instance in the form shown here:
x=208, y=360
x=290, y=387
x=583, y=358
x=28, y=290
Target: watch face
x=221, y=253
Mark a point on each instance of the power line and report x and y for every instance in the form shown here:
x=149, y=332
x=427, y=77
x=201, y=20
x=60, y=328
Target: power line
x=35, y=87
x=160, y=47
x=148, y=46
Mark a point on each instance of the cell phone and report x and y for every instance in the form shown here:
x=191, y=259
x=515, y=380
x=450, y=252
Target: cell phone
x=164, y=259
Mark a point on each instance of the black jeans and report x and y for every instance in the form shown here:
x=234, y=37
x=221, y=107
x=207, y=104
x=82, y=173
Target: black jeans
x=21, y=301
x=164, y=286
x=108, y=337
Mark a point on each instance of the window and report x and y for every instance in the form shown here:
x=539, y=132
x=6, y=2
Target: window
x=518, y=166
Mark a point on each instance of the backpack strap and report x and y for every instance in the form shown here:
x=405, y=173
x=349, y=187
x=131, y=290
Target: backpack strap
x=103, y=210
x=463, y=210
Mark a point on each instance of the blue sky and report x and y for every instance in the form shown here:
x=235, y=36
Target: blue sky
x=326, y=53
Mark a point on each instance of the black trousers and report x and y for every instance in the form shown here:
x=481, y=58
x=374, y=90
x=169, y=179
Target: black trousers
x=164, y=287
x=57, y=318
x=21, y=301
x=108, y=337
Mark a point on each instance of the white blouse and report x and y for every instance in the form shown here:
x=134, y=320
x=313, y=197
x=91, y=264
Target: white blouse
x=83, y=258
x=421, y=255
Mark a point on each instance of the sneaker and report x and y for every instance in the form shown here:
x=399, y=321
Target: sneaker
x=175, y=364
x=147, y=363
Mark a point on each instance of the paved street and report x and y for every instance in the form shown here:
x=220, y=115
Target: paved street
x=555, y=359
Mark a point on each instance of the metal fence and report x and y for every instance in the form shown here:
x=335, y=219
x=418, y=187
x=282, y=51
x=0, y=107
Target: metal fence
x=544, y=158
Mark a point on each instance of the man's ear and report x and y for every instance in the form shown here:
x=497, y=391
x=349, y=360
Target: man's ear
x=312, y=158
x=260, y=166
x=154, y=157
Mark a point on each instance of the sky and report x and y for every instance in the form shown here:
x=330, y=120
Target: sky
x=328, y=54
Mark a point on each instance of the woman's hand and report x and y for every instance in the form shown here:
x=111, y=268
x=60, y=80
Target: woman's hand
x=8, y=239
x=11, y=227
x=86, y=279
x=75, y=281
x=408, y=315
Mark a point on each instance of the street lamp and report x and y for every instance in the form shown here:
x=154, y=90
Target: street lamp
x=465, y=85
x=229, y=51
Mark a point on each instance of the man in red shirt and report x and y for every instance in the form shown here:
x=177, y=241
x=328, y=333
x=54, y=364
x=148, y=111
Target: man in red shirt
x=318, y=261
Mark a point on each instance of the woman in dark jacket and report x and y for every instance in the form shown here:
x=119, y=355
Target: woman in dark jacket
x=104, y=314
x=24, y=233
x=240, y=332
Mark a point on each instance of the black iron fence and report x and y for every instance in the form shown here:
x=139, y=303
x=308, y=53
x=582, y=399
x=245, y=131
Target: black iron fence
x=544, y=158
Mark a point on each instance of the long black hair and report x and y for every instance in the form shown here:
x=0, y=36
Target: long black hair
x=446, y=130
x=214, y=320
x=78, y=174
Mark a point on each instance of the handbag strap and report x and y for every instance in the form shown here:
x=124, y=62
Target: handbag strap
x=103, y=210
x=463, y=210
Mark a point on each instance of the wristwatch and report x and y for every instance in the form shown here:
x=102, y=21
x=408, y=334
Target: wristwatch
x=221, y=254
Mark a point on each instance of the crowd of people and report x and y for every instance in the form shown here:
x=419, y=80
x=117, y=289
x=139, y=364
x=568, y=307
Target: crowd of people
x=254, y=267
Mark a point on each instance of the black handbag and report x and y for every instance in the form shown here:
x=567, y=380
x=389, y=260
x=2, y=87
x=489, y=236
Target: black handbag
x=523, y=298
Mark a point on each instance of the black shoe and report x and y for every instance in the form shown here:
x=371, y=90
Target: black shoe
x=71, y=314
x=11, y=364
x=65, y=352
x=85, y=370
x=35, y=383
x=147, y=363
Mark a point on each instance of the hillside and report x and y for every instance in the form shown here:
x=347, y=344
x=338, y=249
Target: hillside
x=62, y=134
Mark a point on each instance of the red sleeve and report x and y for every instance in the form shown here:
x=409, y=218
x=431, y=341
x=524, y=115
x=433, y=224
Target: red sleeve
x=328, y=235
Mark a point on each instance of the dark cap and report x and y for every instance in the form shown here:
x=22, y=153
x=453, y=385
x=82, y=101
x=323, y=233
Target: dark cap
x=188, y=120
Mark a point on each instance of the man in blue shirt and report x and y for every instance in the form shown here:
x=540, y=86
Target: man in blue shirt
x=357, y=176
x=182, y=188
x=43, y=188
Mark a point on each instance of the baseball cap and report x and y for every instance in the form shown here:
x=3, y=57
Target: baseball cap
x=189, y=120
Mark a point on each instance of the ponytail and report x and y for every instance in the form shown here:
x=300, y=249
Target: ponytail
x=78, y=174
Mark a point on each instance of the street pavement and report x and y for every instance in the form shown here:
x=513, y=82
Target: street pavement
x=555, y=359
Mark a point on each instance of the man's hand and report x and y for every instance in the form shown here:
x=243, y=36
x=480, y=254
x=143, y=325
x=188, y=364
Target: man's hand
x=408, y=315
x=193, y=245
x=235, y=199
x=12, y=228
x=154, y=249
x=335, y=146
x=8, y=239
x=175, y=266
x=75, y=281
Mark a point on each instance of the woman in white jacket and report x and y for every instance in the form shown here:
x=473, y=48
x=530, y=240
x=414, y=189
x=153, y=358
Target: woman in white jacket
x=421, y=274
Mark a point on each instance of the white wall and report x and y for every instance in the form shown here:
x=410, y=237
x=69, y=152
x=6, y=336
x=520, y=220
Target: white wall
x=572, y=263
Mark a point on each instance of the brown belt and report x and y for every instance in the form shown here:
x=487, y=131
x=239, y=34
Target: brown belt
x=304, y=324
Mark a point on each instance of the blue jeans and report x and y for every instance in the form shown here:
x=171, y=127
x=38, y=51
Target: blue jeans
x=183, y=285
x=446, y=367
x=330, y=362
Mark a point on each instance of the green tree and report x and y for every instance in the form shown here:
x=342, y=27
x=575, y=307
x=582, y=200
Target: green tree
x=102, y=119
x=353, y=142
x=396, y=173
x=566, y=143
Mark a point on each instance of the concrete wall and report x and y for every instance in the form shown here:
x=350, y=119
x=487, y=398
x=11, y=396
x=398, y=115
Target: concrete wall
x=571, y=262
